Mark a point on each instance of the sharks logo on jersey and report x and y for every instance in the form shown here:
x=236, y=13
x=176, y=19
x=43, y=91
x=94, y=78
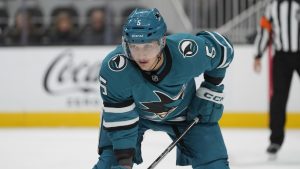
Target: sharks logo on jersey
x=165, y=105
x=188, y=47
x=117, y=63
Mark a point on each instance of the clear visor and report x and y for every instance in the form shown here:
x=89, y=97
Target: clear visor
x=144, y=50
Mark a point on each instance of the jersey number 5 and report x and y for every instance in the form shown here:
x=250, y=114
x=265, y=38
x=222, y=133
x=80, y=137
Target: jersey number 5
x=210, y=53
x=103, y=86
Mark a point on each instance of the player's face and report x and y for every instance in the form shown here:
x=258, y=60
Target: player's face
x=145, y=55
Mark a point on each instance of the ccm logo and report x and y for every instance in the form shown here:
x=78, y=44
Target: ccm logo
x=212, y=97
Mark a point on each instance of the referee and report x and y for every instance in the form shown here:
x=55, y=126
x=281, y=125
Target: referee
x=280, y=27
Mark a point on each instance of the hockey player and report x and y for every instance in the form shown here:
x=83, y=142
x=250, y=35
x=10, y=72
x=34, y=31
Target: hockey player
x=148, y=83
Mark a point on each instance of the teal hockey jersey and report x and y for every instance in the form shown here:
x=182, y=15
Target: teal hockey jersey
x=164, y=95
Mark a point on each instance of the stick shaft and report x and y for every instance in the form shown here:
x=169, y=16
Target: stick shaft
x=173, y=144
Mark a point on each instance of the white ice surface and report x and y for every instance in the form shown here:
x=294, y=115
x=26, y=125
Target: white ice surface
x=75, y=148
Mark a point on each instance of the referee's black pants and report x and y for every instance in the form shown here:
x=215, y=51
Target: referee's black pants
x=284, y=64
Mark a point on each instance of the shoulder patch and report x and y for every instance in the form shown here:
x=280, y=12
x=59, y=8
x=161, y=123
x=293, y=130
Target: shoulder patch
x=188, y=47
x=117, y=63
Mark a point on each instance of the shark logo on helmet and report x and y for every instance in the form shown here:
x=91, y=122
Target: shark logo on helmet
x=188, y=47
x=157, y=16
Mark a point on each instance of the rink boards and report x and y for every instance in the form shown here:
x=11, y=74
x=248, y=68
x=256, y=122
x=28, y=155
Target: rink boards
x=58, y=86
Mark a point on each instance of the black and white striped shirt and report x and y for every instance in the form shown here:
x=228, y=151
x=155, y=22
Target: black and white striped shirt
x=284, y=15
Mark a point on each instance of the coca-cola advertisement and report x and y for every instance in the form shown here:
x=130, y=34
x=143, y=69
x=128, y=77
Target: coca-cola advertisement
x=68, y=74
x=57, y=79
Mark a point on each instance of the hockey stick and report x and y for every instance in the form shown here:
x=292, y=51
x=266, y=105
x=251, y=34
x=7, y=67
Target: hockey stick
x=173, y=144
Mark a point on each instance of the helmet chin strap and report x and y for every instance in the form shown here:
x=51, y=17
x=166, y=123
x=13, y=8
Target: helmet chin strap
x=158, y=58
x=159, y=55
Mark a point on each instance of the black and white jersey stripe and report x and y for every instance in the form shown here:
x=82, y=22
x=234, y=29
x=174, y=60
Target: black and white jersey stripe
x=120, y=125
x=119, y=107
x=121, y=115
x=284, y=16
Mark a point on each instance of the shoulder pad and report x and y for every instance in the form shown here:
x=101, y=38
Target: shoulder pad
x=116, y=68
x=187, y=44
x=116, y=61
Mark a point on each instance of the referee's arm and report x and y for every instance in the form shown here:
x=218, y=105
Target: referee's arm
x=264, y=31
x=263, y=37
